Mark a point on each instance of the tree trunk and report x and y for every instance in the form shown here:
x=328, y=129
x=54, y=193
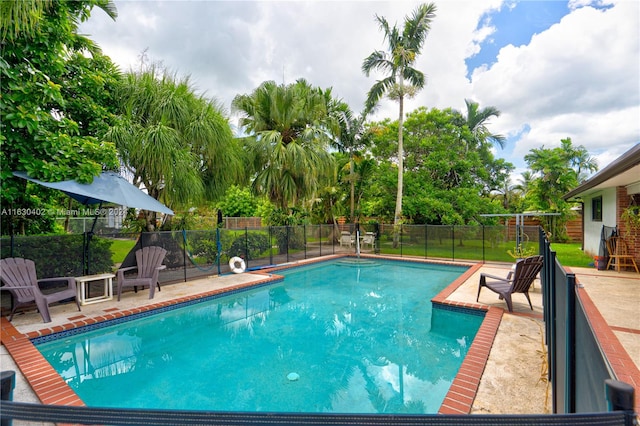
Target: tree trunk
x=353, y=190
x=398, y=214
x=150, y=220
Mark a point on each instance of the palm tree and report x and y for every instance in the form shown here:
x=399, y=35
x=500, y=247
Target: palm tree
x=353, y=137
x=477, y=120
x=290, y=129
x=176, y=144
x=24, y=16
x=402, y=79
x=525, y=183
x=583, y=163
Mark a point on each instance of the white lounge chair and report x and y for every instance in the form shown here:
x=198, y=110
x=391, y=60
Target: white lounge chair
x=346, y=239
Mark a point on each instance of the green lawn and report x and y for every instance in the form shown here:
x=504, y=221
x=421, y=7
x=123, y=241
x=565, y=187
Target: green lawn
x=120, y=249
x=570, y=254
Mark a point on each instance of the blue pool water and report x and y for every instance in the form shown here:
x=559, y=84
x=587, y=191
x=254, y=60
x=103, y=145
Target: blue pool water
x=330, y=337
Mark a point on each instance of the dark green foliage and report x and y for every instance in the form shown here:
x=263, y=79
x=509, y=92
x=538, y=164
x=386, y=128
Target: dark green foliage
x=60, y=255
x=446, y=179
x=56, y=89
x=256, y=244
x=202, y=245
x=288, y=238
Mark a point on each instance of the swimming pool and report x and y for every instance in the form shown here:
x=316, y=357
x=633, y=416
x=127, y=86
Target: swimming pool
x=331, y=337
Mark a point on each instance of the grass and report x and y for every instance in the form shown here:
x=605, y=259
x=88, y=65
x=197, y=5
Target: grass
x=570, y=254
x=120, y=249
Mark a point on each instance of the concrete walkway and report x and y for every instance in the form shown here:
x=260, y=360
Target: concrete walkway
x=514, y=379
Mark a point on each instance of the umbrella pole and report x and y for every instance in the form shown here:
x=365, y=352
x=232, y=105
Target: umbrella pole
x=88, y=237
x=95, y=219
x=218, y=248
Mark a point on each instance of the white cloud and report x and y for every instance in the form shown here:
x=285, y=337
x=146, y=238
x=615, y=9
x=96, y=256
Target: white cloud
x=578, y=79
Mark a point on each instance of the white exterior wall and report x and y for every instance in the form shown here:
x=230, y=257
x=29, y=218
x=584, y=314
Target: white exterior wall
x=593, y=229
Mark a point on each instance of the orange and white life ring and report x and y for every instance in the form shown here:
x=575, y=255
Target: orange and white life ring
x=237, y=265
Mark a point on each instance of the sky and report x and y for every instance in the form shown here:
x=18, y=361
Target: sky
x=555, y=69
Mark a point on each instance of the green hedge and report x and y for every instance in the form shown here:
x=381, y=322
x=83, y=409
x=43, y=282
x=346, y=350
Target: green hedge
x=59, y=255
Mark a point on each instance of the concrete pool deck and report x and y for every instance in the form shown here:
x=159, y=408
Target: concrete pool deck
x=508, y=365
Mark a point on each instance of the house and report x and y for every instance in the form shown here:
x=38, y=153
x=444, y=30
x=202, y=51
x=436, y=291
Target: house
x=607, y=197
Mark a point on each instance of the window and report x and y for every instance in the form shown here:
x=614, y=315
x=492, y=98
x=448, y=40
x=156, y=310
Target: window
x=596, y=209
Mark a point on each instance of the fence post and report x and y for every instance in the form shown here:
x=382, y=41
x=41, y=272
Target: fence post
x=550, y=260
x=218, y=244
x=620, y=395
x=570, y=322
x=483, y=246
x=246, y=245
x=7, y=384
x=287, y=241
x=270, y=246
x=453, y=242
x=184, y=256
x=426, y=241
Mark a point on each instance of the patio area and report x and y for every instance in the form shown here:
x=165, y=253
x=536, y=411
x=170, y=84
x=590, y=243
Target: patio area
x=512, y=378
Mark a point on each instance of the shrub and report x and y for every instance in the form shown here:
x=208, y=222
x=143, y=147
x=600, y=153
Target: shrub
x=256, y=243
x=60, y=255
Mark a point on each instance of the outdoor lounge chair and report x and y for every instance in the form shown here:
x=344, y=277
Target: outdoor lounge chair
x=518, y=281
x=149, y=261
x=619, y=254
x=346, y=239
x=368, y=239
x=20, y=279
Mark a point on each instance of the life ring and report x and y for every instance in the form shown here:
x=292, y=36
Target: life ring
x=237, y=265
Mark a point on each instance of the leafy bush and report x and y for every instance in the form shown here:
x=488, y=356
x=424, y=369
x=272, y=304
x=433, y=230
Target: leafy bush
x=60, y=255
x=202, y=245
x=288, y=238
x=256, y=243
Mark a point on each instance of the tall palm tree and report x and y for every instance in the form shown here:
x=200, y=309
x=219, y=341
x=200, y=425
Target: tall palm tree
x=402, y=79
x=176, y=144
x=477, y=120
x=290, y=129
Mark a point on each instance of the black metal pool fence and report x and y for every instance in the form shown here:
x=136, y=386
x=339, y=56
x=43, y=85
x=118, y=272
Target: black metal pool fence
x=578, y=368
x=584, y=387
x=199, y=253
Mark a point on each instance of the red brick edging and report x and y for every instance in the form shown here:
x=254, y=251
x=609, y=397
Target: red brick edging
x=464, y=388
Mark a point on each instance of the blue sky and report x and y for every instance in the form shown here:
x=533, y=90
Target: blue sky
x=555, y=69
x=515, y=23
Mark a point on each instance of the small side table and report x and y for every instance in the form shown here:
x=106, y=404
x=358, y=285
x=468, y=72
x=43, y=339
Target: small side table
x=107, y=294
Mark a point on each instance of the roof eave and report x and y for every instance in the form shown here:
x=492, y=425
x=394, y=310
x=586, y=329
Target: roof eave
x=623, y=163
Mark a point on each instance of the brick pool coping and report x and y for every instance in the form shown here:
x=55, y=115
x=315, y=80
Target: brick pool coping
x=51, y=389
